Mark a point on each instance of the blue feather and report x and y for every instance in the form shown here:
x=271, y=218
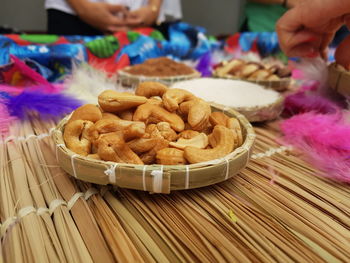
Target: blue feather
x=47, y=105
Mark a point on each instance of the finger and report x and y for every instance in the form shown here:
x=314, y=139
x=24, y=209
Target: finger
x=304, y=50
x=134, y=21
x=116, y=8
x=342, y=54
x=291, y=32
x=113, y=29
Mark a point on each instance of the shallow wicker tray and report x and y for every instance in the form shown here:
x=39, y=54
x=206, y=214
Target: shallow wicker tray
x=156, y=178
x=339, y=79
x=259, y=113
x=129, y=80
x=278, y=85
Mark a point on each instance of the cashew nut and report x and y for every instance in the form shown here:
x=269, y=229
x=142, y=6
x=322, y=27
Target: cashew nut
x=113, y=101
x=151, y=113
x=224, y=145
x=188, y=134
x=87, y=112
x=233, y=124
x=113, y=148
x=75, y=136
x=218, y=118
x=142, y=145
x=173, y=97
x=109, y=116
x=150, y=156
x=200, y=141
x=198, y=113
x=126, y=115
x=171, y=156
x=129, y=129
x=150, y=89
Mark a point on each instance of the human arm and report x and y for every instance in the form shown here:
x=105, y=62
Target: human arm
x=103, y=16
x=146, y=15
x=307, y=29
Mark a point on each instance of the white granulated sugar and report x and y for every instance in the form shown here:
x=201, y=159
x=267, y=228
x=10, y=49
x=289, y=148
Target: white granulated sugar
x=232, y=93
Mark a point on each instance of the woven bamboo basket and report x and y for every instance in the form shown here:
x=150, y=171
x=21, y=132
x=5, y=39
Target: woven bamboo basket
x=278, y=85
x=339, y=79
x=156, y=178
x=128, y=80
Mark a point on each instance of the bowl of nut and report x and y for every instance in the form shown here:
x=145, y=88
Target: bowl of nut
x=161, y=69
x=155, y=140
x=274, y=76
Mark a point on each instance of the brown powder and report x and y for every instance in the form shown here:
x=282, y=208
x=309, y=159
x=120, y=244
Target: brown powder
x=160, y=67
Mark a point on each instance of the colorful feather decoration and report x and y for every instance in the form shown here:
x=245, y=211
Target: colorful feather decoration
x=325, y=141
x=204, y=65
x=5, y=119
x=47, y=105
x=33, y=78
x=302, y=102
x=86, y=83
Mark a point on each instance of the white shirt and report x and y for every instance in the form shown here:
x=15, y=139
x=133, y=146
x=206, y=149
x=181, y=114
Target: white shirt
x=169, y=8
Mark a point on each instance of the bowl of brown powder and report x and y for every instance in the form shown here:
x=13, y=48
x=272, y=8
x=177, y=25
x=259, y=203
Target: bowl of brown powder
x=161, y=69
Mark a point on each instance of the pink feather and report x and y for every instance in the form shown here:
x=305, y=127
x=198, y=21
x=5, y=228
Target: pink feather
x=325, y=141
x=35, y=78
x=5, y=120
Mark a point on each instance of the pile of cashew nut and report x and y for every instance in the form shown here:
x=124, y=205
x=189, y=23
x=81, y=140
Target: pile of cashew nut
x=154, y=125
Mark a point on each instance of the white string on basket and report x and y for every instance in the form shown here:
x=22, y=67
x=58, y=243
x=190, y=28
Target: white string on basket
x=57, y=146
x=157, y=180
x=144, y=177
x=110, y=172
x=42, y=210
x=272, y=151
x=187, y=179
x=227, y=168
x=72, y=162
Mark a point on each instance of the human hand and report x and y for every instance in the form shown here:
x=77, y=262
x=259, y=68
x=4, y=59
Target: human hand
x=144, y=16
x=307, y=29
x=103, y=16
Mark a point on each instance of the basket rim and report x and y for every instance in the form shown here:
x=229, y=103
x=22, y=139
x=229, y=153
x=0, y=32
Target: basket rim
x=122, y=73
x=246, y=146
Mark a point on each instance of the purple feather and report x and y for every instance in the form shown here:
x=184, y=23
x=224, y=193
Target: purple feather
x=204, y=65
x=47, y=105
x=303, y=102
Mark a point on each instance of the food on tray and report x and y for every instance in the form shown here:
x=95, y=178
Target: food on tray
x=241, y=69
x=160, y=67
x=254, y=101
x=157, y=125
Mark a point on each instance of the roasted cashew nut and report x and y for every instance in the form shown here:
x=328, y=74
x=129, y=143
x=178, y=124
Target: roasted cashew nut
x=225, y=143
x=150, y=156
x=113, y=148
x=151, y=113
x=198, y=113
x=218, y=118
x=233, y=124
x=113, y=101
x=129, y=129
x=75, y=136
x=200, y=141
x=142, y=145
x=109, y=116
x=188, y=134
x=173, y=97
x=150, y=89
x=87, y=112
x=171, y=156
